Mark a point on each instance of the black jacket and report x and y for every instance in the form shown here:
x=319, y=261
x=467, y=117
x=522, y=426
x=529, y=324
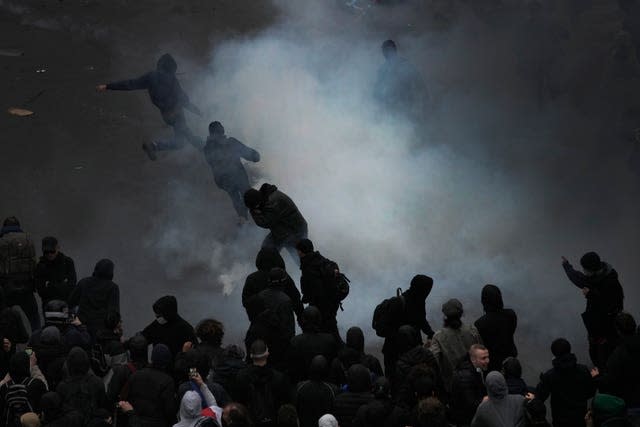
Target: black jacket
x=255, y=379
x=358, y=393
x=622, y=377
x=415, y=312
x=96, y=296
x=352, y=353
x=570, y=386
x=163, y=86
x=258, y=281
x=467, y=391
x=315, y=284
x=604, y=300
x=223, y=155
x=55, y=279
x=119, y=383
x=497, y=328
x=279, y=214
x=175, y=332
x=309, y=343
x=376, y=413
x=82, y=390
x=56, y=415
x=315, y=397
x=20, y=374
x=51, y=360
x=228, y=365
x=152, y=395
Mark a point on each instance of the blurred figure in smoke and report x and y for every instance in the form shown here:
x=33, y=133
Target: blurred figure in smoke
x=223, y=155
x=275, y=211
x=399, y=88
x=166, y=94
x=600, y=285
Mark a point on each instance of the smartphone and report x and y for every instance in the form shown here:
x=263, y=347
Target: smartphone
x=29, y=351
x=193, y=372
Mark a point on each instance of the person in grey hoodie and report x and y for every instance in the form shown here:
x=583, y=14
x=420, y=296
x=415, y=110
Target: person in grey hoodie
x=501, y=409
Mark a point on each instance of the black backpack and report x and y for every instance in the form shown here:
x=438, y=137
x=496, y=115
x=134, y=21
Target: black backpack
x=336, y=285
x=16, y=402
x=388, y=315
x=262, y=403
x=99, y=364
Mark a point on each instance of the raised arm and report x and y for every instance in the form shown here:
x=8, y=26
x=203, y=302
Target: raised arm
x=142, y=82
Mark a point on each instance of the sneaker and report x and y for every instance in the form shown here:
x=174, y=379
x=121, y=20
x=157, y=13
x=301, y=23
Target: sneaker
x=150, y=149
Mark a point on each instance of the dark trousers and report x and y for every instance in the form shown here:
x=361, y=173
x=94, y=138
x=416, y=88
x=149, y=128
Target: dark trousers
x=235, y=188
x=181, y=133
x=289, y=243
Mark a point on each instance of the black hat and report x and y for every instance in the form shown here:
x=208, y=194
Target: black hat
x=259, y=350
x=591, y=261
x=11, y=221
x=305, y=246
x=49, y=244
x=560, y=347
x=452, y=308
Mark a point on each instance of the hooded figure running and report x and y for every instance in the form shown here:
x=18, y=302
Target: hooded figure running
x=223, y=155
x=166, y=94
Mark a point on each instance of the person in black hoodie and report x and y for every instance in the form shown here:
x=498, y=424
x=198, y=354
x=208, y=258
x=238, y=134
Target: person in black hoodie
x=274, y=322
x=318, y=285
x=166, y=94
x=82, y=390
x=152, y=391
x=569, y=384
x=51, y=353
x=228, y=365
x=169, y=328
x=309, y=343
x=53, y=413
x=352, y=353
x=358, y=393
x=96, y=296
x=256, y=282
x=497, y=327
x=315, y=396
x=55, y=273
x=622, y=376
x=223, y=155
x=600, y=285
x=512, y=371
x=414, y=315
x=261, y=388
x=118, y=387
x=20, y=373
x=270, y=208
x=412, y=354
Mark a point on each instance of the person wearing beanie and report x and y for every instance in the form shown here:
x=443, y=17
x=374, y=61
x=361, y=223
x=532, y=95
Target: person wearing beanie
x=259, y=382
x=151, y=390
x=412, y=354
x=256, y=282
x=73, y=333
x=359, y=391
x=20, y=376
x=599, y=284
x=497, y=327
x=224, y=154
x=451, y=343
x=96, y=296
x=319, y=285
x=569, y=384
x=501, y=409
x=51, y=352
x=607, y=411
x=17, y=273
x=165, y=93
x=376, y=413
x=82, y=390
x=622, y=376
x=328, y=420
x=273, y=210
x=169, y=328
x=413, y=314
x=55, y=273
x=352, y=353
x=512, y=371
x=275, y=322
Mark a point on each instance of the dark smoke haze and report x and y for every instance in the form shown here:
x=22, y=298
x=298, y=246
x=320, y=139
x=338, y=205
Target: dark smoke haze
x=494, y=187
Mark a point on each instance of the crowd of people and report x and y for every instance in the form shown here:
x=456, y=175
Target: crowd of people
x=79, y=369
